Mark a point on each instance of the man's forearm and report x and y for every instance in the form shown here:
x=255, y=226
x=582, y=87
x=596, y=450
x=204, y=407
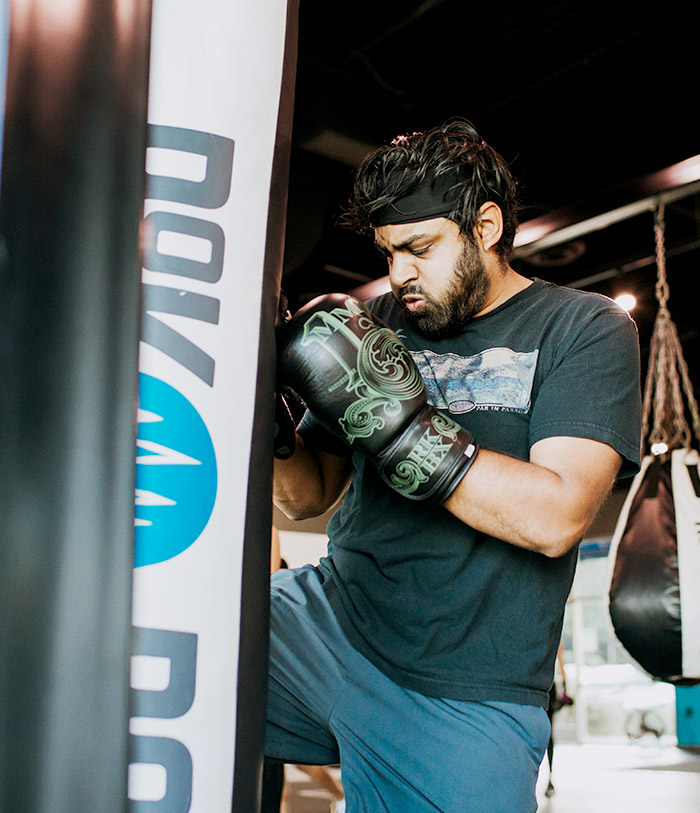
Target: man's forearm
x=508, y=499
x=545, y=504
x=309, y=482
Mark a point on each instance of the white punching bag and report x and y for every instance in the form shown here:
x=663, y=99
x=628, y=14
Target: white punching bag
x=219, y=127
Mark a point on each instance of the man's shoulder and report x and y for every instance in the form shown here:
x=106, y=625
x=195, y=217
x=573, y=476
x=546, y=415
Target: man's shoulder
x=577, y=297
x=576, y=306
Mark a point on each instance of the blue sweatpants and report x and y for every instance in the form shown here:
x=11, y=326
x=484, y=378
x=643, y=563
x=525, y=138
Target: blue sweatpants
x=399, y=751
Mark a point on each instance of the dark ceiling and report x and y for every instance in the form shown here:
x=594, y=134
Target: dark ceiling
x=588, y=101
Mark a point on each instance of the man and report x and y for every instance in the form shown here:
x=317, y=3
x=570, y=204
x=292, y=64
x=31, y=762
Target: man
x=420, y=652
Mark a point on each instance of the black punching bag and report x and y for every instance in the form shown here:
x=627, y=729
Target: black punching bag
x=653, y=583
x=74, y=147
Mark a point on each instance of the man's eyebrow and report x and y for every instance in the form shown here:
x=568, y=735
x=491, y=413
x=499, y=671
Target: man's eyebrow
x=408, y=243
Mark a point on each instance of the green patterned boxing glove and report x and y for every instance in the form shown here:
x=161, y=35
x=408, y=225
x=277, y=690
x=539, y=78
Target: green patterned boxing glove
x=361, y=383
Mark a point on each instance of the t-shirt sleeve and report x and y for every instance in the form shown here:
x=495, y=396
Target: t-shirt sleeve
x=592, y=388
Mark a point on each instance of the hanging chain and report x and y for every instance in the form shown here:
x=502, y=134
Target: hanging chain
x=663, y=383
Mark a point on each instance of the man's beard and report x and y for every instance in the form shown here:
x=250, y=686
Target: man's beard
x=464, y=297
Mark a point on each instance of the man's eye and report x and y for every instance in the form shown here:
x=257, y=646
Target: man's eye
x=418, y=252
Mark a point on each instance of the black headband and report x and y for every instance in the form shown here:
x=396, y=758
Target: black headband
x=433, y=197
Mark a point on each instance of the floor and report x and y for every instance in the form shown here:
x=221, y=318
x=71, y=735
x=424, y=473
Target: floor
x=610, y=777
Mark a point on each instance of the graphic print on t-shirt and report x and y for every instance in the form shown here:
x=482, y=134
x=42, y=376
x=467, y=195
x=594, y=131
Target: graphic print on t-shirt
x=498, y=378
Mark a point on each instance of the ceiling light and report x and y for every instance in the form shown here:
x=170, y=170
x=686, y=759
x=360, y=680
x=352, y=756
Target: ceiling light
x=626, y=301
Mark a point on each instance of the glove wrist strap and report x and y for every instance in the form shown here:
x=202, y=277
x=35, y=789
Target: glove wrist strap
x=429, y=458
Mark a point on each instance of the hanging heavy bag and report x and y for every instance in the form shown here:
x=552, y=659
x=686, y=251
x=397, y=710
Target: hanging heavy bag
x=654, y=595
x=654, y=601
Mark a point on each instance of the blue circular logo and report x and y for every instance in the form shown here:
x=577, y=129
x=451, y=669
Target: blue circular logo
x=175, y=473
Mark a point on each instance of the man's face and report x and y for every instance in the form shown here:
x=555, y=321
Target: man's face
x=438, y=277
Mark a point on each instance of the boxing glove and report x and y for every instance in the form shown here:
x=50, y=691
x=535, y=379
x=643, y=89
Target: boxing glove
x=361, y=383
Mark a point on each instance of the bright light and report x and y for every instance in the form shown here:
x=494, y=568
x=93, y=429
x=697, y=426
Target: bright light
x=626, y=301
x=659, y=448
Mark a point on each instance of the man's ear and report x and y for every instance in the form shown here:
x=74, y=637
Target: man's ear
x=490, y=226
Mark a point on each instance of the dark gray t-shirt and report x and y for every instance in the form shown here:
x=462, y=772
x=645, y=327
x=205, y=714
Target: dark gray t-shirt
x=437, y=606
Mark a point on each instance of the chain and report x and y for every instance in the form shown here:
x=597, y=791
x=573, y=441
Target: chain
x=664, y=386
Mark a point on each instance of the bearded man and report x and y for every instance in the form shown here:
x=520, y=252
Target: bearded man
x=473, y=421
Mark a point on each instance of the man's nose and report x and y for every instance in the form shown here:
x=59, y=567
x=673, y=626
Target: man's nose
x=403, y=270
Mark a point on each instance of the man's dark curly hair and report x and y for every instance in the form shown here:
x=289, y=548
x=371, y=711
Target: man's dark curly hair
x=396, y=169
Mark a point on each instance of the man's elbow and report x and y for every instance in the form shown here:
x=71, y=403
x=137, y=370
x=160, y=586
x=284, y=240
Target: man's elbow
x=296, y=511
x=306, y=507
x=558, y=548
x=561, y=538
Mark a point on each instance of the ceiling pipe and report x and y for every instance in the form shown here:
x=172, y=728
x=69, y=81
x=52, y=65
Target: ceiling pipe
x=666, y=186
